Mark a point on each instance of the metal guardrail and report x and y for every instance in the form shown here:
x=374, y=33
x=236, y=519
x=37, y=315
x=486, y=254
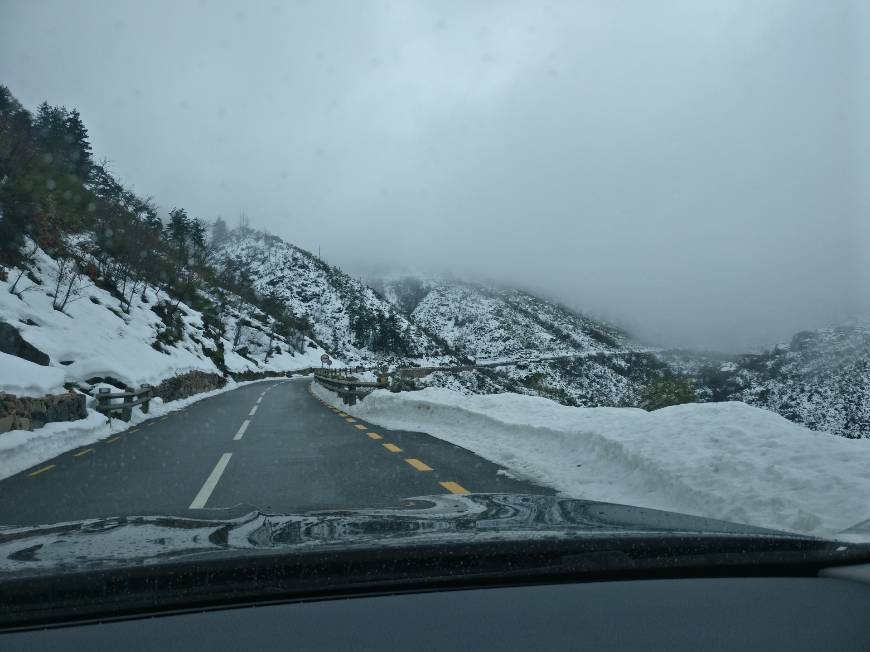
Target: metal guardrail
x=346, y=386
x=142, y=398
x=342, y=382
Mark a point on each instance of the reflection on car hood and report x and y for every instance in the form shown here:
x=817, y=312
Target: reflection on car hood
x=448, y=519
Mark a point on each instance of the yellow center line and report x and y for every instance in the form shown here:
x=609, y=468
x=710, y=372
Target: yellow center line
x=84, y=452
x=454, y=488
x=42, y=470
x=375, y=435
x=112, y=440
x=350, y=420
x=360, y=426
x=134, y=430
x=392, y=448
x=417, y=464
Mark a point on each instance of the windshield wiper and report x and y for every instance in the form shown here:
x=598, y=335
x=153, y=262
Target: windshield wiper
x=273, y=575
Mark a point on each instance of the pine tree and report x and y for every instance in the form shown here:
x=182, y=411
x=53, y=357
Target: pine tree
x=18, y=196
x=219, y=232
x=197, y=235
x=178, y=232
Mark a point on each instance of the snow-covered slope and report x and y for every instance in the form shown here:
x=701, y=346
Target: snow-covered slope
x=499, y=323
x=820, y=379
x=95, y=338
x=727, y=461
x=347, y=316
x=599, y=365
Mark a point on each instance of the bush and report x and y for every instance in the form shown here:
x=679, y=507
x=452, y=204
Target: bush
x=666, y=390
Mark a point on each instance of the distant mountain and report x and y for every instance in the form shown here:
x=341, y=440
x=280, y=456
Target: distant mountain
x=497, y=323
x=345, y=315
x=820, y=379
x=598, y=365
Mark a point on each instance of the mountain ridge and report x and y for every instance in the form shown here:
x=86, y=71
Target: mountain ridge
x=436, y=320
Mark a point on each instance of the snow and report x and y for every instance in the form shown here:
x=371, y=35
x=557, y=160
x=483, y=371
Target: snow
x=311, y=289
x=727, y=461
x=97, y=339
x=24, y=378
x=23, y=449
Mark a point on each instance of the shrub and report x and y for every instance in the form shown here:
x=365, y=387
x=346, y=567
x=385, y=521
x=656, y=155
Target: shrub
x=665, y=390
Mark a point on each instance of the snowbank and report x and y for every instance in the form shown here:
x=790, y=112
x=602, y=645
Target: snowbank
x=722, y=460
x=24, y=378
x=22, y=449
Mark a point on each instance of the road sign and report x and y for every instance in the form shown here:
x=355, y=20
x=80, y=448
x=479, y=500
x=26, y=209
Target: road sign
x=326, y=360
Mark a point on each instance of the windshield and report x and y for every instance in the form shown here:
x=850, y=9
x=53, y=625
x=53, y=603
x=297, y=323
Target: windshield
x=315, y=276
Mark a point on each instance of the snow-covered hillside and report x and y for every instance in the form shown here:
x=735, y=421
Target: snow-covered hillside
x=728, y=461
x=600, y=365
x=498, y=324
x=820, y=379
x=347, y=316
x=96, y=337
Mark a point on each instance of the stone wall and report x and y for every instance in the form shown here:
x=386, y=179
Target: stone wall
x=184, y=385
x=242, y=376
x=26, y=413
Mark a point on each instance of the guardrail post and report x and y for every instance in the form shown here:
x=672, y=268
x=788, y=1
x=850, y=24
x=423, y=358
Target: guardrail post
x=146, y=391
x=127, y=412
x=103, y=400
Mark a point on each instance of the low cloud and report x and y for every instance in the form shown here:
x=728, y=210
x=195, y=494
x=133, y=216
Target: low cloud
x=695, y=172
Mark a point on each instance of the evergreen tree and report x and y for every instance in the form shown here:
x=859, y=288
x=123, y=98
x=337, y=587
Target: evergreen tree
x=178, y=233
x=18, y=183
x=197, y=235
x=219, y=232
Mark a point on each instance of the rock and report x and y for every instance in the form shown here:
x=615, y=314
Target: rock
x=12, y=343
x=26, y=413
x=185, y=385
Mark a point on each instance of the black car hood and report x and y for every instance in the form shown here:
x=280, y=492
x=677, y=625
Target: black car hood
x=440, y=520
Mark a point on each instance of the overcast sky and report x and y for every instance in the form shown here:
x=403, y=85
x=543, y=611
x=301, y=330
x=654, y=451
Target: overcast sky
x=695, y=171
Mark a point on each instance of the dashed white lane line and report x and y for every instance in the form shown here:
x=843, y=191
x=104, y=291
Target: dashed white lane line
x=253, y=411
x=241, y=432
x=259, y=400
x=211, y=482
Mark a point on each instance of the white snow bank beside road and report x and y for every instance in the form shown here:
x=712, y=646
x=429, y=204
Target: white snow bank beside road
x=721, y=460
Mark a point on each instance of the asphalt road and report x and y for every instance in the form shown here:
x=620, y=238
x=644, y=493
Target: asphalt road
x=271, y=445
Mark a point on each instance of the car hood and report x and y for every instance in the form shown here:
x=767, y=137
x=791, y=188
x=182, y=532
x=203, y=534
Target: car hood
x=429, y=520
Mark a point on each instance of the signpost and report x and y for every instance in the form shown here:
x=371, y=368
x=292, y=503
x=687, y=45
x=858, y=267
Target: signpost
x=325, y=360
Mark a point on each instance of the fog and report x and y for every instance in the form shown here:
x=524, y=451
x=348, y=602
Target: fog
x=694, y=171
